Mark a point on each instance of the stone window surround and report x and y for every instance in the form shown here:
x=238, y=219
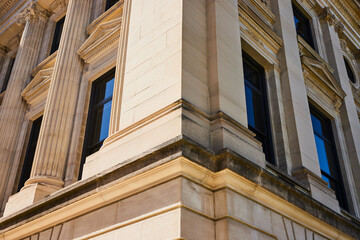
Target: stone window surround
x=340, y=148
x=309, y=11
x=272, y=74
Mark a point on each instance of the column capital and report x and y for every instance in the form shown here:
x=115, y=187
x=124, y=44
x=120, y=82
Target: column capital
x=3, y=50
x=327, y=15
x=34, y=12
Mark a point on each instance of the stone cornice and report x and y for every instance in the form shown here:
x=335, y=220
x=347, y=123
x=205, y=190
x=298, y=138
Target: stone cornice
x=103, y=37
x=37, y=89
x=5, y=6
x=319, y=77
x=258, y=30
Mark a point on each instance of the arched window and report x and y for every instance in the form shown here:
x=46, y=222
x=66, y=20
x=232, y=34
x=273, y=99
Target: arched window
x=349, y=71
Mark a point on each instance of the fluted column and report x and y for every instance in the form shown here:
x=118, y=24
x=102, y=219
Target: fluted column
x=4, y=61
x=13, y=108
x=54, y=139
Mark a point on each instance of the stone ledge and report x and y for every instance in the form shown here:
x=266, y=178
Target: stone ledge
x=281, y=186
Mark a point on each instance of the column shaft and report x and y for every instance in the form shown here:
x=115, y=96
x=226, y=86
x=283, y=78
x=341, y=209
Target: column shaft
x=13, y=108
x=54, y=139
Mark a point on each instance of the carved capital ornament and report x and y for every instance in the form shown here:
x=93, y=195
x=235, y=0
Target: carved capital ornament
x=34, y=12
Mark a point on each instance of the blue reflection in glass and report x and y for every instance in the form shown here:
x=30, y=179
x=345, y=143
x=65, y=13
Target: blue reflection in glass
x=104, y=130
x=250, y=106
x=109, y=88
x=321, y=151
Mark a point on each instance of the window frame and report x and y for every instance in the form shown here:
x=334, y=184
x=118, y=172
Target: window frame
x=110, y=3
x=7, y=75
x=57, y=34
x=308, y=23
x=90, y=119
x=267, y=144
x=335, y=166
x=349, y=69
x=30, y=152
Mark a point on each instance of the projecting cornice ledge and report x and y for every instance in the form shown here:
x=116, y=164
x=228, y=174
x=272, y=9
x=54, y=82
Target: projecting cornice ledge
x=105, y=35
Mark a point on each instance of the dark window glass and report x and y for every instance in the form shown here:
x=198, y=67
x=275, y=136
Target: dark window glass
x=349, y=71
x=99, y=114
x=110, y=3
x=302, y=25
x=7, y=76
x=30, y=152
x=256, y=104
x=327, y=156
x=57, y=35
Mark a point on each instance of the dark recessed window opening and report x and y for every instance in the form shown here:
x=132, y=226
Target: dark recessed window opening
x=97, y=128
x=7, y=74
x=110, y=3
x=303, y=27
x=30, y=152
x=326, y=151
x=349, y=71
x=57, y=35
x=257, y=105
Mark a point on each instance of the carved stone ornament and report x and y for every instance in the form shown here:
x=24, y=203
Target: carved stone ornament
x=343, y=44
x=357, y=55
x=339, y=27
x=327, y=15
x=3, y=50
x=34, y=12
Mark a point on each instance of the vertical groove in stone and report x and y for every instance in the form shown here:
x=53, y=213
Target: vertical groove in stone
x=13, y=108
x=3, y=70
x=120, y=72
x=54, y=139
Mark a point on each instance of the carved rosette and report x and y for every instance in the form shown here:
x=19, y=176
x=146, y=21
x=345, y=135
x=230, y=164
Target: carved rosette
x=34, y=12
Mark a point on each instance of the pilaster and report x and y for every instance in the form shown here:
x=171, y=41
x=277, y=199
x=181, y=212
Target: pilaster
x=226, y=81
x=13, y=108
x=333, y=32
x=303, y=152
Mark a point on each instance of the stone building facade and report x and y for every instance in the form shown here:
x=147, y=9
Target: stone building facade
x=180, y=119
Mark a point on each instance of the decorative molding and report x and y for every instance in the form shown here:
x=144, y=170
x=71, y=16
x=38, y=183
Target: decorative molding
x=38, y=88
x=318, y=75
x=179, y=167
x=103, y=37
x=34, y=12
x=327, y=15
x=257, y=30
x=58, y=5
x=3, y=50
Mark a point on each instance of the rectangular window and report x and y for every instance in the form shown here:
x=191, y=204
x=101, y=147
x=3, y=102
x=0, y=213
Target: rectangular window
x=30, y=152
x=7, y=75
x=303, y=27
x=326, y=151
x=57, y=35
x=110, y=3
x=256, y=105
x=97, y=128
